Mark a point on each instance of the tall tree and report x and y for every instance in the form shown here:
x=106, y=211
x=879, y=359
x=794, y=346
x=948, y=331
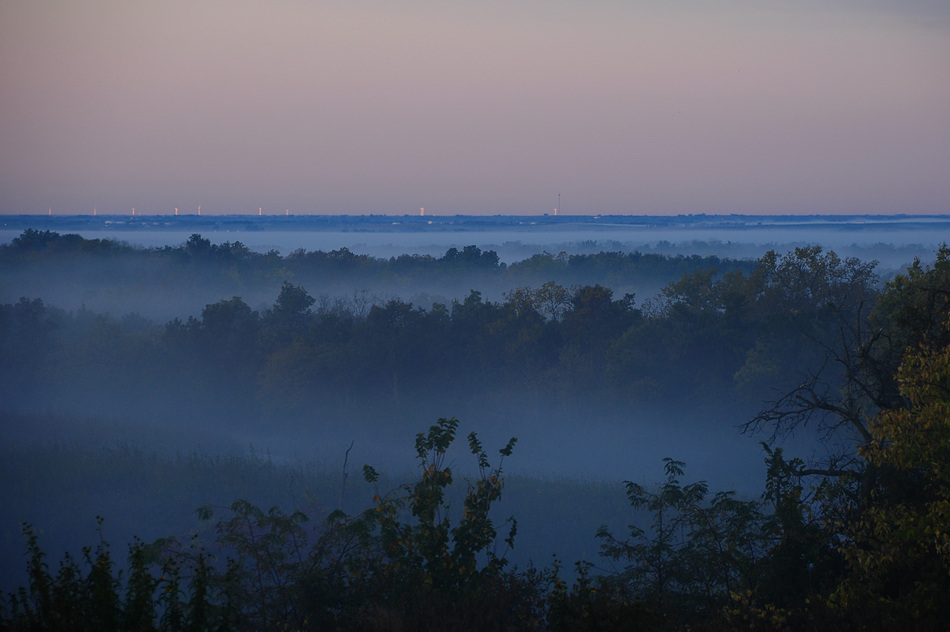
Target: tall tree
x=899, y=547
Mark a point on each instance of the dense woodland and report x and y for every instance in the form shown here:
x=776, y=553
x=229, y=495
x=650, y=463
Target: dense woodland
x=851, y=536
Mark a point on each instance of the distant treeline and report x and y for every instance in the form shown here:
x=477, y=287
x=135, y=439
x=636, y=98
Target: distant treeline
x=110, y=276
x=713, y=335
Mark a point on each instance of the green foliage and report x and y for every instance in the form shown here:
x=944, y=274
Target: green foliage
x=435, y=572
x=266, y=570
x=899, y=545
x=864, y=545
x=595, y=603
x=911, y=312
x=696, y=553
x=87, y=595
x=269, y=550
x=551, y=300
x=803, y=560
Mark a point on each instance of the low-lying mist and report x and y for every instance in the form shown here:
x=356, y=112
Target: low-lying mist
x=142, y=383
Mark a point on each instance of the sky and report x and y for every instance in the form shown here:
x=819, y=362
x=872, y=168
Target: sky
x=489, y=107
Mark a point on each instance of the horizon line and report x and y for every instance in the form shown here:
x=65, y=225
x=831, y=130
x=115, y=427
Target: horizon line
x=261, y=216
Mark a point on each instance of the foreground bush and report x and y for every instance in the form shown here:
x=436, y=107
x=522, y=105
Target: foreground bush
x=403, y=564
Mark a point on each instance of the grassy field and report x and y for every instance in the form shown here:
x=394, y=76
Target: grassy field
x=62, y=488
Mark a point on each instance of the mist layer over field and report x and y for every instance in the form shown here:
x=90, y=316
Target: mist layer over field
x=231, y=373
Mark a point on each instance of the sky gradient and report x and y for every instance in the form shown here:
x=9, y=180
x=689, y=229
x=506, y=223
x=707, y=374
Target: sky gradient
x=757, y=106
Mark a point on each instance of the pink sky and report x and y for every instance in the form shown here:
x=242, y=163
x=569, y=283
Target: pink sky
x=489, y=107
